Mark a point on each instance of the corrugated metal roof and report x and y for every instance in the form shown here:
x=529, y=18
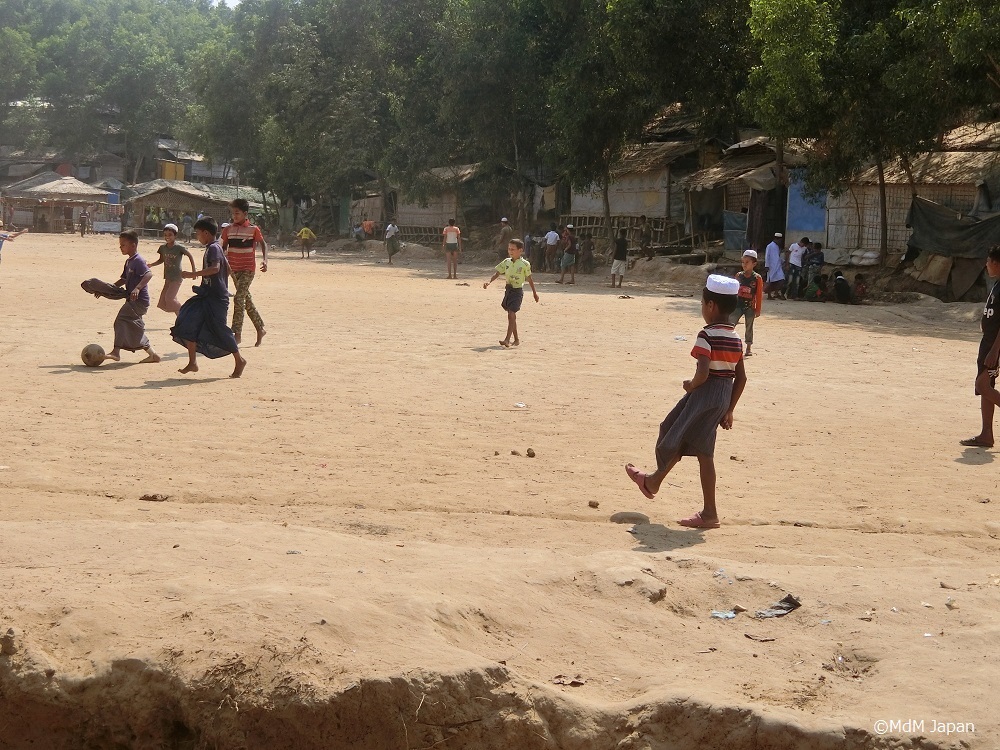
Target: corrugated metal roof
x=39, y=179
x=214, y=193
x=460, y=173
x=726, y=170
x=646, y=157
x=940, y=168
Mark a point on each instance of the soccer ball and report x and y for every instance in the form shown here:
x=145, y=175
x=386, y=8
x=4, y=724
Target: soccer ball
x=92, y=355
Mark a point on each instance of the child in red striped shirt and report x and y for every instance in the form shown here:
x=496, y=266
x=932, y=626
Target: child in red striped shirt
x=712, y=394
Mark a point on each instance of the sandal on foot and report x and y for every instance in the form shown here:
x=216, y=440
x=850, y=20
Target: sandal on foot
x=697, y=522
x=640, y=479
x=975, y=442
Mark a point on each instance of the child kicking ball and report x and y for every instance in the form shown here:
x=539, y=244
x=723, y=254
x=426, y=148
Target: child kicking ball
x=712, y=394
x=516, y=270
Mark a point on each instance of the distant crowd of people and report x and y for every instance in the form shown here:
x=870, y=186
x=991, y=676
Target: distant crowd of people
x=797, y=274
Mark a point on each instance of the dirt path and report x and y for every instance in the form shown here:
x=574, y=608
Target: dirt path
x=350, y=517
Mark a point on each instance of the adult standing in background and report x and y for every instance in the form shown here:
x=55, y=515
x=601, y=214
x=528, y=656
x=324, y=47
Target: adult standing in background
x=645, y=238
x=796, y=254
x=391, y=239
x=451, y=243
x=551, y=245
x=772, y=263
x=506, y=235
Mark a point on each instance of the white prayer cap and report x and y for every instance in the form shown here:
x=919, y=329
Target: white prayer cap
x=722, y=284
x=750, y=254
x=569, y=226
x=503, y=220
x=171, y=227
x=779, y=235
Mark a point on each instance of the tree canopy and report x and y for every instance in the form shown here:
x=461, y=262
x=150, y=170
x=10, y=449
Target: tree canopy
x=315, y=96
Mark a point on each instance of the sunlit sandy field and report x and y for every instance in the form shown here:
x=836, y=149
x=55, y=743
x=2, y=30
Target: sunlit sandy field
x=355, y=549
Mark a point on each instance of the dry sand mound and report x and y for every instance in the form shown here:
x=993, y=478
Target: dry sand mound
x=662, y=270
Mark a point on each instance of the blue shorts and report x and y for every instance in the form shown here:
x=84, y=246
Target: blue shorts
x=512, y=299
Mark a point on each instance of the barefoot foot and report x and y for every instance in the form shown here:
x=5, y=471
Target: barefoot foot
x=505, y=344
x=260, y=337
x=152, y=358
x=241, y=363
x=114, y=356
x=191, y=367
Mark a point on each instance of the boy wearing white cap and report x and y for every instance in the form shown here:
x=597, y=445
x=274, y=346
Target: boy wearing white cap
x=712, y=394
x=171, y=255
x=751, y=296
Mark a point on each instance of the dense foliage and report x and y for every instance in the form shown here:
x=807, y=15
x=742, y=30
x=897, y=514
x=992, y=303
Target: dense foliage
x=313, y=96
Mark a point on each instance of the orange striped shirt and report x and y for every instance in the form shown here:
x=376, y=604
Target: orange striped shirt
x=239, y=242
x=723, y=347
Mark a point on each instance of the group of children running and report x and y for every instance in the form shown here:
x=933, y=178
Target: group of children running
x=201, y=325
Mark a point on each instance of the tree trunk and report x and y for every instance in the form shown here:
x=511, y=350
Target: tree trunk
x=905, y=161
x=883, y=252
x=136, y=168
x=605, y=189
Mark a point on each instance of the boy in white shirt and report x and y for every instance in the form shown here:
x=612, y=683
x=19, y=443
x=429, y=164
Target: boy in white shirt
x=795, y=257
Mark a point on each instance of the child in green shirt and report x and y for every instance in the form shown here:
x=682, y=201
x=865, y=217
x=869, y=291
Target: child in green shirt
x=516, y=270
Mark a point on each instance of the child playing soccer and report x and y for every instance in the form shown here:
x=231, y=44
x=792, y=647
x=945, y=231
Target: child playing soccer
x=712, y=394
x=201, y=322
x=130, y=329
x=171, y=255
x=516, y=270
x=306, y=237
x=4, y=236
x=751, y=296
x=989, y=355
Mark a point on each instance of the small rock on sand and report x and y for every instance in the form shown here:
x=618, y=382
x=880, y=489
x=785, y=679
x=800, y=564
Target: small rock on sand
x=594, y=504
x=530, y=453
x=154, y=498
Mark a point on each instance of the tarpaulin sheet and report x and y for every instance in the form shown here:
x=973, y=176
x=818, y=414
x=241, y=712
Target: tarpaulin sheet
x=941, y=231
x=734, y=228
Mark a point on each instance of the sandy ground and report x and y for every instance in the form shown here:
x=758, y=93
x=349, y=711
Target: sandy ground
x=350, y=519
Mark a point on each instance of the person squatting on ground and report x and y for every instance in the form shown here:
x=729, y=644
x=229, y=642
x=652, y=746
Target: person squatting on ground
x=989, y=355
x=171, y=256
x=130, y=329
x=201, y=321
x=239, y=243
x=516, y=270
x=711, y=397
x=619, y=260
x=451, y=243
x=751, y=296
